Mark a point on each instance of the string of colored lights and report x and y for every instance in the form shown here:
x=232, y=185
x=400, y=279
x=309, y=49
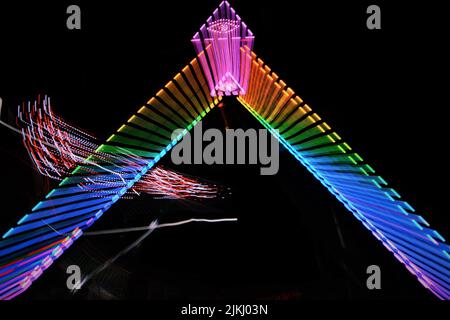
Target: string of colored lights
x=53, y=224
x=345, y=174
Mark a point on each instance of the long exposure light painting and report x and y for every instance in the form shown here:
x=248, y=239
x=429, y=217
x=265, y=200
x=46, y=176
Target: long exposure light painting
x=225, y=66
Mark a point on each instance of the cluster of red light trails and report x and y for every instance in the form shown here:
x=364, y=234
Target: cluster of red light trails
x=56, y=148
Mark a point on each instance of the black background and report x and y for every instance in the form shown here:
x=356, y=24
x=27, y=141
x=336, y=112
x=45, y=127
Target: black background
x=384, y=91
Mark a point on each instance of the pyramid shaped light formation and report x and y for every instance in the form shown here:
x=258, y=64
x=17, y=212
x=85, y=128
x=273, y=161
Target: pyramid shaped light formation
x=225, y=65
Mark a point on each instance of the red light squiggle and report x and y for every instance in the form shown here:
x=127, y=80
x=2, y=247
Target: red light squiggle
x=169, y=184
x=56, y=148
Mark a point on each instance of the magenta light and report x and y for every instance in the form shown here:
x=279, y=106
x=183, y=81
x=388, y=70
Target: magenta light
x=224, y=44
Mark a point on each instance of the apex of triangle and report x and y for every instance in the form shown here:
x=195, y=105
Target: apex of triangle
x=223, y=45
x=224, y=13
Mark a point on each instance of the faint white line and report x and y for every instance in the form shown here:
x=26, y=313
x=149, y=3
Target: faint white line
x=162, y=225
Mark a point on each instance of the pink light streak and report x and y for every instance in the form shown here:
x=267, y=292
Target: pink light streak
x=224, y=44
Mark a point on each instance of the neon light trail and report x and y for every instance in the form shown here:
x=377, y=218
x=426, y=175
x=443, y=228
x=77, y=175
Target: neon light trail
x=225, y=65
x=168, y=184
x=349, y=178
x=43, y=234
x=222, y=38
x=56, y=148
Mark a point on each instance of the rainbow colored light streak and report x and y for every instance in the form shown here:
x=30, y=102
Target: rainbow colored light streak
x=42, y=235
x=344, y=173
x=221, y=68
